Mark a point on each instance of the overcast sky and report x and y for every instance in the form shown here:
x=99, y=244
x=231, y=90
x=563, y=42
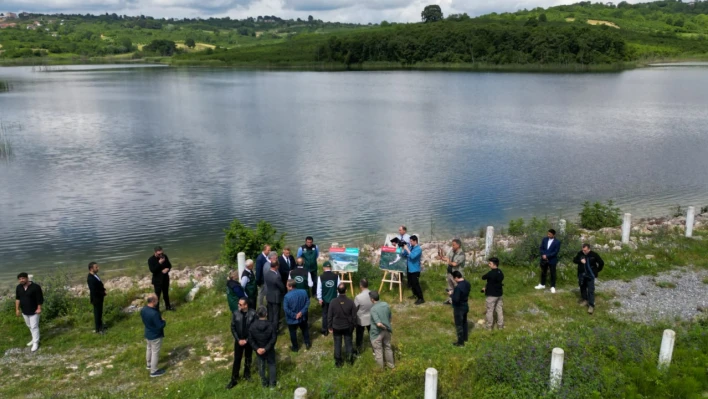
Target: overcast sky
x=327, y=10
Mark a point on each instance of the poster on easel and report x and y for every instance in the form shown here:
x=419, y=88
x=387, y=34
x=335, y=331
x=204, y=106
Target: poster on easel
x=344, y=260
x=392, y=260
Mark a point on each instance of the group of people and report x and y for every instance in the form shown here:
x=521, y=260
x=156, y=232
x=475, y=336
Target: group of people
x=256, y=298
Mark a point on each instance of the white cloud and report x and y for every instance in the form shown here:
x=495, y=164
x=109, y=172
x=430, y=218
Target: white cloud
x=327, y=10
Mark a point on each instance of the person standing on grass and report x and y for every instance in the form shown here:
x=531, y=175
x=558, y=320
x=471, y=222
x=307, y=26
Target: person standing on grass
x=310, y=252
x=286, y=263
x=261, y=260
x=404, y=237
x=241, y=321
x=248, y=282
x=326, y=291
x=234, y=291
x=341, y=319
x=590, y=265
x=459, y=297
x=262, y=339
x=550, y=246
x=154, y=333
x=302, y=276
x=414, y=253
x=381, y=331
x=363, y=305
x=262, y=295
x=160, y=267
x=96, y=294
x=28, y=303
x=296, y=303
x=493, y=291
x=275, y=291
x=455, y=260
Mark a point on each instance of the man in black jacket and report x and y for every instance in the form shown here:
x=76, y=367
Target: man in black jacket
x=494, y=291
x=590, y=265
x=286, y=263
x=459, y=297
x=160, y=267
x=341, y=317
x=96, y=294
x=262, y=339
x=240, y=323
x=275, y=291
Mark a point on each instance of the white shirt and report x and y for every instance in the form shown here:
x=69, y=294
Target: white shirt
x=319, y=287
x=406, y=238
x=550, y=241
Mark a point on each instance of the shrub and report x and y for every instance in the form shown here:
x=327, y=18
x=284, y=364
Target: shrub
x=516, y=227
x=57, y=298
x=596, y=216
x=678, y=211
x=240, y=238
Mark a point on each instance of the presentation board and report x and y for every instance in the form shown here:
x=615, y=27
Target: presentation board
x=344, y=259
x=392, y=260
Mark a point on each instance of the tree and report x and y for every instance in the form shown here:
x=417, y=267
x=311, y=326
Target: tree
x=190, y=43
x=542, y=18
x=162, y=47
x=310, y=18
x=127, y=43
x=432, y=13
x=240, y=238
x=385, y=23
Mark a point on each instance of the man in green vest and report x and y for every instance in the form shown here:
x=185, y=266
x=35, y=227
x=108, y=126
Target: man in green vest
x=302, y=277
x=248, y=282
x=326, y=292
x=310, y=252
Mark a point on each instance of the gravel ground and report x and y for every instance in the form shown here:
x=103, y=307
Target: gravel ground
x=678, y=294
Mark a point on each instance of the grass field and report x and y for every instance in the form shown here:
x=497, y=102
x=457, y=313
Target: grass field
x=606, y=357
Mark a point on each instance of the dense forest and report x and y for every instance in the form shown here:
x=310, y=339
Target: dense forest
x=584, y=33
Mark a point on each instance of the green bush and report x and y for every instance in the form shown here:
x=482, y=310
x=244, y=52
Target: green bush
x=240, y=238
x=516, y=227
x=596, y=216
x=57, y=298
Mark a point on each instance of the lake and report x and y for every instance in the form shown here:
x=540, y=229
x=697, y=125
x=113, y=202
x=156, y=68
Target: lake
x=109, y=161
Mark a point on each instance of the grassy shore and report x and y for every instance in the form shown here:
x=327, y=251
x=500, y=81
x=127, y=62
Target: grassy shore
x=606, y=356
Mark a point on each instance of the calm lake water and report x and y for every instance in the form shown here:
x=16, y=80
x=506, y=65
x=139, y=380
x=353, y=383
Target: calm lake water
x=108, y=162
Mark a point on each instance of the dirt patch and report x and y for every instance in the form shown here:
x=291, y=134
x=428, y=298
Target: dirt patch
x=598, y=22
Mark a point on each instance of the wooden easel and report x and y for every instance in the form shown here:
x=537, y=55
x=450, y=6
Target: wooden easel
x=394, y=278
x=346, y=278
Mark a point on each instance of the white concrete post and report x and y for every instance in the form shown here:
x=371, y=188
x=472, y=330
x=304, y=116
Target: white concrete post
x=557, y=367
x=489, y=242
x=690, y=215
x=561, y=226
x=626, y=227
x=241, y=264
x=667, y=348
x=301, y=393
x=431, y=383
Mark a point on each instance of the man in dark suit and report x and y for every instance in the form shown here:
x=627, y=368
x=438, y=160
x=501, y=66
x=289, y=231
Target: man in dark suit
x=286, y=263
x=550, y=246
x=261, y=260
x=96, y=294
x=160, y=267
x=275, y=291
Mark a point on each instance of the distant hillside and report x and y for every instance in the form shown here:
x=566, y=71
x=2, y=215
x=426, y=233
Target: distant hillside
x=579, y=36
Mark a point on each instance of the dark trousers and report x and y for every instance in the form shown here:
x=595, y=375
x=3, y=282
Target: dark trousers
x=314, y=284
x=408, y=279
x=587, y=289
x=544, y=273
x=325, y=310
x=268, y=357
x=338, y=334
x=274, y=316
x=461, y=326
x=164, y=290
x=360, y=335
x=305, y=333
x=98, y=313
x=239, y=352
x=415, y=284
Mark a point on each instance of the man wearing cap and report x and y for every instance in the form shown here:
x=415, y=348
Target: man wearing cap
x=414, y=253
x=310, y=252
x=302, y=276
x=326, y=291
